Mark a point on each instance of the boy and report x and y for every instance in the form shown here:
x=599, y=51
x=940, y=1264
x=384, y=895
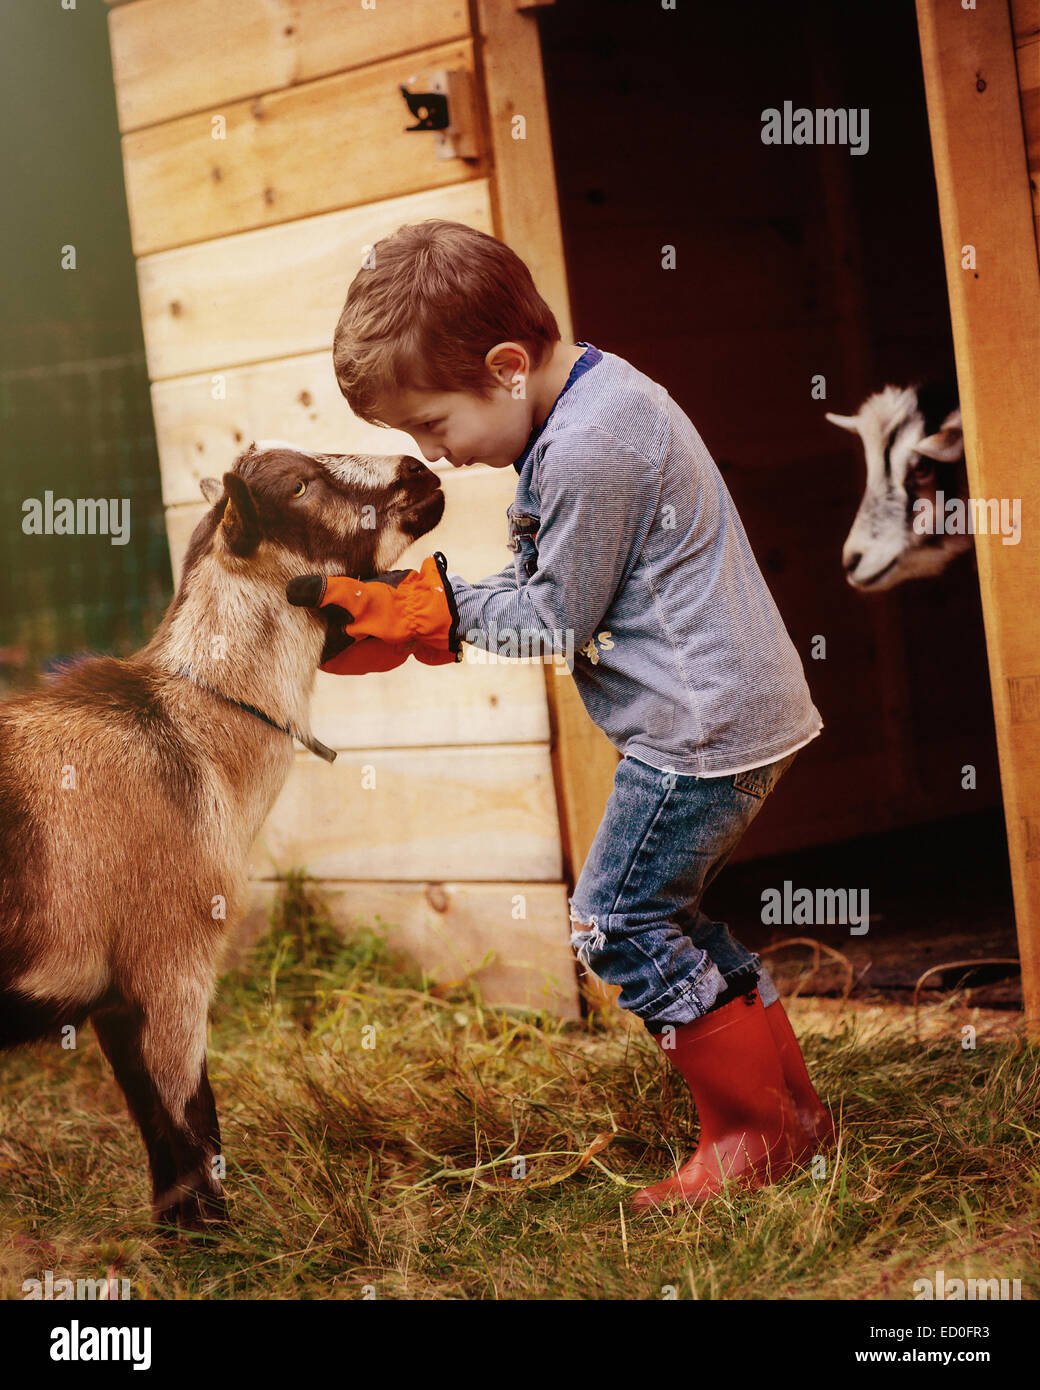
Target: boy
x=627, y=543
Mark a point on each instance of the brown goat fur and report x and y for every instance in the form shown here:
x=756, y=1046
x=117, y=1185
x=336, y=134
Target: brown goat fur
x=130, y=794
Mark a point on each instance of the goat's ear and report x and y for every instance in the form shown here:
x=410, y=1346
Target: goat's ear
x=240, y=524
x=212, y=490
x=844, y=422
x=947, y=443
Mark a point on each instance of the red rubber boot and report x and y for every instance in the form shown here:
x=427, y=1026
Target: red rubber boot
x=749, y=1129
x=813, y=1116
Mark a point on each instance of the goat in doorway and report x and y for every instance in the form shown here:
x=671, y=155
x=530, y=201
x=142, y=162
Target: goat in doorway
x=131, y=790
x=914, y=451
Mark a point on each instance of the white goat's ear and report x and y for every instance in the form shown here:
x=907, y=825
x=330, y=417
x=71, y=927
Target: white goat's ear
x=947, y=443
x=212, y=490
x=844, y=422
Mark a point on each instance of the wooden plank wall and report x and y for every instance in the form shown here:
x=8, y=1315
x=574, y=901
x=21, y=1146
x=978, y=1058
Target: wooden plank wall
x=981, y=79
x=264, y=150
x=1025, y=22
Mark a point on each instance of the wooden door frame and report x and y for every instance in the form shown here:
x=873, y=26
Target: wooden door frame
x=982, y=177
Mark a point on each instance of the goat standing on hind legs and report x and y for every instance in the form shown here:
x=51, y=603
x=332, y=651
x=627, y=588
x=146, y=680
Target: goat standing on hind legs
x=131, y=790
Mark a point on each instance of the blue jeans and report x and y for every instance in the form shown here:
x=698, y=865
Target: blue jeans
x=636, y=906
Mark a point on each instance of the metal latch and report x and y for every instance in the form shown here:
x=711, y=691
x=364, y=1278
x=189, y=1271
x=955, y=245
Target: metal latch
x=446, y=106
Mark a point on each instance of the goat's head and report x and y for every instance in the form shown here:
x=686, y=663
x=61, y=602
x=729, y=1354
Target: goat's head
x=914, y=449
x=282, y=511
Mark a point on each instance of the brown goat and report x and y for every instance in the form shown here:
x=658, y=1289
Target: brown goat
x=131, y=790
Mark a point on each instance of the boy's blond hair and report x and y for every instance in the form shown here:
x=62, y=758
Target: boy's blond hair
x=424, y=315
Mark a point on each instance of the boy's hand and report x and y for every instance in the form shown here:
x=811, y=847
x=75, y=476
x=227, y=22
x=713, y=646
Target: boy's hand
x=375, y=625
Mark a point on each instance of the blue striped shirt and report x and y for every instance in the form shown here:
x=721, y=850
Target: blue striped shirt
x=631, y=563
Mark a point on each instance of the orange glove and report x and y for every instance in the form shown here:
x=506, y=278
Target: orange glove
x=404, y=612
x=371, y=654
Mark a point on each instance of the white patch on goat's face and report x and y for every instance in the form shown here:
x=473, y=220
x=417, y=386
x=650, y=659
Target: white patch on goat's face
x=263, y=446
x=375, y=471
x=882, y=548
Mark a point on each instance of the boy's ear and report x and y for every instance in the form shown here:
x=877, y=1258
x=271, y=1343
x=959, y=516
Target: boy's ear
x=240, y=524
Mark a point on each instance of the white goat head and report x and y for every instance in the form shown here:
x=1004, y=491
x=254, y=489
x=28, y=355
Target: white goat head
x=914, y=449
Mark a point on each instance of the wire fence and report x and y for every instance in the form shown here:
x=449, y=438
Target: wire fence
x=77, y=438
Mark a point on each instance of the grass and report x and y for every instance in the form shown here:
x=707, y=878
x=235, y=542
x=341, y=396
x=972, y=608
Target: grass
x=384, y=1135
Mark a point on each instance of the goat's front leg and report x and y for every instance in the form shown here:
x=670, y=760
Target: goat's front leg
x=196, y=1199
x=157, y=1051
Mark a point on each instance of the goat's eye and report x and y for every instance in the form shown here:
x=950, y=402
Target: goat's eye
x=923, y=469
x=300, y=488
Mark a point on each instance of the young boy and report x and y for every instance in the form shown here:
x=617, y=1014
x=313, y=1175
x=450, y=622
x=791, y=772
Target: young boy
x=629, y=550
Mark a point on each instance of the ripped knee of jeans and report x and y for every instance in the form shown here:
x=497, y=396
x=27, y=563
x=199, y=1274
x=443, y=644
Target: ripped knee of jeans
x=587, y=936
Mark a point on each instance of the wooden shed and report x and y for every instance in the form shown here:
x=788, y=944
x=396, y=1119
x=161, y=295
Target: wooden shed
x=265, y=151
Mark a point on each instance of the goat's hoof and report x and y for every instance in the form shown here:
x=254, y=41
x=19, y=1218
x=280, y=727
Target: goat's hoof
x=201, y=1215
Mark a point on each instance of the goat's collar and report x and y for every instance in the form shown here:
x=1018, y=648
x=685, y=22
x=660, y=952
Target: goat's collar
x=307, y=740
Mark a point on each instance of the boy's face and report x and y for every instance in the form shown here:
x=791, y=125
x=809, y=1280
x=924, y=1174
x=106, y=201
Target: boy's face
x=462, y=427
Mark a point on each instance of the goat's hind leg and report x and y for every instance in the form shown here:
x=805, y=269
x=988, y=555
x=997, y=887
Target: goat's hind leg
x=161, y=1068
